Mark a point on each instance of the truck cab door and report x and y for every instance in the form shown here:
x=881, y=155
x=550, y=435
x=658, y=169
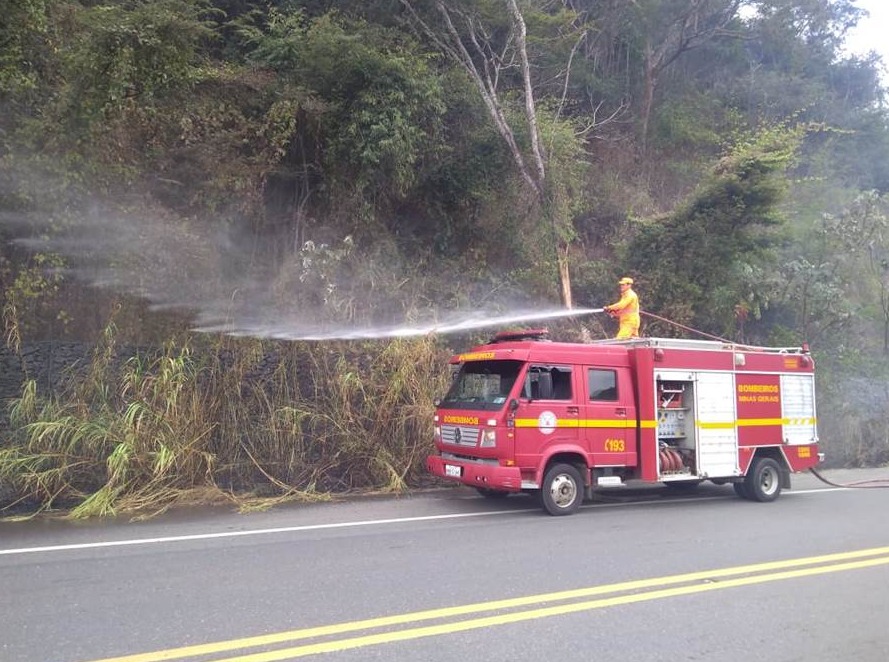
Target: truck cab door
x=609, y=419
x=547, y=412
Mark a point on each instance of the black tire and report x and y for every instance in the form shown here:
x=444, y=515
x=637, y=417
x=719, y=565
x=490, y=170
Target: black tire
x=740, y=490
x=488, y=493
x=562, y=490
x=763, y=481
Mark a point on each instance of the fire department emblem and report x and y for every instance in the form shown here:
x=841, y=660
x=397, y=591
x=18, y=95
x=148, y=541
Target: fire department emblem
x=547, y=422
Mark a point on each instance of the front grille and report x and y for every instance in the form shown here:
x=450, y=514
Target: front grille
x=459, y=435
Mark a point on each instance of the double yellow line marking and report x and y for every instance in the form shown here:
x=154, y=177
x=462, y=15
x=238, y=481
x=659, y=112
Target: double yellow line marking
x=512, y=610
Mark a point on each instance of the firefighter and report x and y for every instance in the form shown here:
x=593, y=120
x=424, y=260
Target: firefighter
x=626, y=310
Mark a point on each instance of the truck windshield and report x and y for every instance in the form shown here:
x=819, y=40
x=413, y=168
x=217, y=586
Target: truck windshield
x=482, y=385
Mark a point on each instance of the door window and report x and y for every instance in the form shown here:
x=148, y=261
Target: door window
x=545, y=382
x=603, y=385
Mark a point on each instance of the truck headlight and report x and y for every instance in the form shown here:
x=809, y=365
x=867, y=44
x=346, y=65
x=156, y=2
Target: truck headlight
x=488, y=439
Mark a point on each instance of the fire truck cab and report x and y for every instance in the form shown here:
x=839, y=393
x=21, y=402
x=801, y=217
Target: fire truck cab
x=525, y=414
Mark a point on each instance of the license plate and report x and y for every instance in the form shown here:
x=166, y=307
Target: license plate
x=453, y=471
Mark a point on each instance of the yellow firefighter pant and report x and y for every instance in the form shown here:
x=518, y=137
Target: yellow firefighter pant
x=629, y=327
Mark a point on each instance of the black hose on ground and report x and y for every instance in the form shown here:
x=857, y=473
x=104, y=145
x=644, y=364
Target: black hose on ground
x=862, y=484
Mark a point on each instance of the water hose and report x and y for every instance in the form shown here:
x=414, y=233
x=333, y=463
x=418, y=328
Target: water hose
x=861, y=484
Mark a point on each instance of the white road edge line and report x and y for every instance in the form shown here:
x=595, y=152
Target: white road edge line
x=340, y=525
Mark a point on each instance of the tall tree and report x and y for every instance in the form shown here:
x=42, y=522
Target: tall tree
x=490, y=50
x=694, y=258
x=667, y=30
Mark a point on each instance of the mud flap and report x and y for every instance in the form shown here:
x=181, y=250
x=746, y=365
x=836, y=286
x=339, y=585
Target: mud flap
x=785, y=479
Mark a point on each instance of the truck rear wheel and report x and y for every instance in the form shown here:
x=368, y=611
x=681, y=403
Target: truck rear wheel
x=763, y=481
x=562, y=490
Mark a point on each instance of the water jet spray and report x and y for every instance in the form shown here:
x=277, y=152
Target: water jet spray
x=286, y=331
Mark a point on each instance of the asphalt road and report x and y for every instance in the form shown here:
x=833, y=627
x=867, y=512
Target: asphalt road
x=444, y=575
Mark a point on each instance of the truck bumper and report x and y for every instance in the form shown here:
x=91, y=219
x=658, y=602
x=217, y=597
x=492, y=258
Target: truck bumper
x=490, y=476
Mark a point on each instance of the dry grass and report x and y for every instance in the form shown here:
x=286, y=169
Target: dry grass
x=247, y=421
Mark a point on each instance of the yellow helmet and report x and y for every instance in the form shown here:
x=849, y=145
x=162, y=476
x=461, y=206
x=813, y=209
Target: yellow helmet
x=625, y=281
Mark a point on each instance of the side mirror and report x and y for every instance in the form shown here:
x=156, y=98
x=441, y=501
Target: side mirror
x=513, y=404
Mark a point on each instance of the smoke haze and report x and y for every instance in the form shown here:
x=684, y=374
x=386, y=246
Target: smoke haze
x=233, y=282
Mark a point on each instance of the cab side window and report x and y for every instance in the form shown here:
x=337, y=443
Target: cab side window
x=545, y=382
x=603, y=385
x=561, y=384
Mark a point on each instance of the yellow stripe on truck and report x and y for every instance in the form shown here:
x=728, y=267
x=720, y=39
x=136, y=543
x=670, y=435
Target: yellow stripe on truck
x=584, y=423
x=754, y=422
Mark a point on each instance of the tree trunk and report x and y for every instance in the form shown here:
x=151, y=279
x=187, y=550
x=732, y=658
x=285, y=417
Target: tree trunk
x=535, y=175
x=561, y=248
x=565, y=276
x=648, y=95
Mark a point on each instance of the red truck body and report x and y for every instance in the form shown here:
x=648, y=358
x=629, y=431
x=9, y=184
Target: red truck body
x=562, y=419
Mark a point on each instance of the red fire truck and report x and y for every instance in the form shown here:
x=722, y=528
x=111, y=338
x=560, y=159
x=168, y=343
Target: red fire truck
x=525, y=414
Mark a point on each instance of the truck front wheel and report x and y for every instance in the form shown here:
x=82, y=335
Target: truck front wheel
x=562, y=490
x=763, y=481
